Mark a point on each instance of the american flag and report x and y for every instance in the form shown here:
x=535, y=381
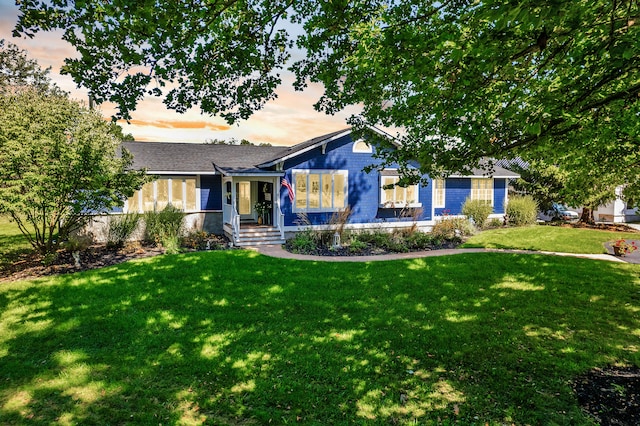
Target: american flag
x=287, y=185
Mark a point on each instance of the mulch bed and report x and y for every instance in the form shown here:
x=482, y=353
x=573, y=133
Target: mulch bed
x=368, y=251
x=32, y=265
x=610, y=395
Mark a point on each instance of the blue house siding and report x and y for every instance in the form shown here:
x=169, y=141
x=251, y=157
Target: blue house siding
x=457, y=190
x=211, y=192
x=363, y=188
x=499, y=195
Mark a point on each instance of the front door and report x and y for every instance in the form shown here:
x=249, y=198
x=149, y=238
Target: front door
x=243, y=199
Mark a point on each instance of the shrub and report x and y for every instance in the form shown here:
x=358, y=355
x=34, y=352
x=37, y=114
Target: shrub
x=120, y=229
x=164, y=227
x=196, y=240
x=477, y=210
x=376, y=238
x=78, y=242
x=522, y=210
x=494, y=223
x=452, y=229
x=171, y=244
x=303, y=242
x=419, y=241
x=357, y=246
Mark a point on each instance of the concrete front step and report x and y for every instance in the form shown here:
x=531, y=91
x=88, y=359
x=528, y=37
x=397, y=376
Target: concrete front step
x=259, y=235
x=251, y=243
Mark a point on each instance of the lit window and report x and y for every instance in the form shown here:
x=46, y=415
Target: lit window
x=361, y=146
x=320, y=190
x=482, y=189
x=155, y=196
x=438, y=193
x=395, y=196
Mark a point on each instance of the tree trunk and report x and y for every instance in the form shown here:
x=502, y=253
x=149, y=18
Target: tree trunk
x=587, y=216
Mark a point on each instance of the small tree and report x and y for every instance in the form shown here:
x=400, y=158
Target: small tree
x=58, y=163
x=543, y=182
x=58, y=160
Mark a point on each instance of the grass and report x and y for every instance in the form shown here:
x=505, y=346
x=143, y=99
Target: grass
x=237, y=338
x=12, y=242
x=547, y=238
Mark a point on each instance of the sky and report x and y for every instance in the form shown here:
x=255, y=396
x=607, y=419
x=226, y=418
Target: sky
x=285, y=121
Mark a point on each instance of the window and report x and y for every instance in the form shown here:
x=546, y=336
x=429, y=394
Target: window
x=320, y=190
x=394, y=196
x=361, y=146
x=438, y=193
x=155, y=196
x=482, y=189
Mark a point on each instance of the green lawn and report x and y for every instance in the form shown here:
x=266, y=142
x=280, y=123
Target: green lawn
x=12, y=242
x=547, y=238
x=241, y=339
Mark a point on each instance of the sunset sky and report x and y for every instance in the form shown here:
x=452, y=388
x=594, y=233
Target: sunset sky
x=287, y=120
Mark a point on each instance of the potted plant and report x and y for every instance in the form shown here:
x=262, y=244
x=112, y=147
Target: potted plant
x=262, y=208
x=621, y=247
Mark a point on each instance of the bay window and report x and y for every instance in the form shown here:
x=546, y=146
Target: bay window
x=180, y=192
x=320, y=190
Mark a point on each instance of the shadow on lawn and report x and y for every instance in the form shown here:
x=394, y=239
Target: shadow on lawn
x=11, y=248
x=237, y=338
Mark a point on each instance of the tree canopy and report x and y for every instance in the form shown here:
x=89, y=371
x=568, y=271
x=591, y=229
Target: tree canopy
x=459, y=79
x=17, y=71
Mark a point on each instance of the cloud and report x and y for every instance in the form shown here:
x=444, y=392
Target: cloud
x=179, y=124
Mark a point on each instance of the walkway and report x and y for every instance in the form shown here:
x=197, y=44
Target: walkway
x=278, y=251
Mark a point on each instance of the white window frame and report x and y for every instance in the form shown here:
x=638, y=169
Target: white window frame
x=169, y=180
x=399, y=194
x=439, y=193
x=322, y=173
x=482, y=193
x=362, y=147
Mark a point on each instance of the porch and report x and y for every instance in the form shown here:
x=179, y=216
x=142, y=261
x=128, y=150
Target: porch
x=251, y=210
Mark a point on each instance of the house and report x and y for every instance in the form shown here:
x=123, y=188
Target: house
x=617, y=211
x=221, y=186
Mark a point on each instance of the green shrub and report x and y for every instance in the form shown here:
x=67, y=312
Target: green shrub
x=452, y=229
x=171, y=244
x=521, y=211
x=494, y=223
x=375, y=238
x=357, y=246
x=120, y=229
x=419, y=241
x=477, y=210
x=304, y=242
x=164, y=227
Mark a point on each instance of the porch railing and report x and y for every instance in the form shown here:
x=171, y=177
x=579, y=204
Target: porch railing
x=235, y=224
x=280, y=223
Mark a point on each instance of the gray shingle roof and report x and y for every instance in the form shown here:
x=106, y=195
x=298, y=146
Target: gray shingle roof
x=176, y=157
x=173, y=157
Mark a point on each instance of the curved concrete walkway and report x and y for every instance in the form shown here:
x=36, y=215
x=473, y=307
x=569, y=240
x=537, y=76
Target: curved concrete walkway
x=278, y=251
